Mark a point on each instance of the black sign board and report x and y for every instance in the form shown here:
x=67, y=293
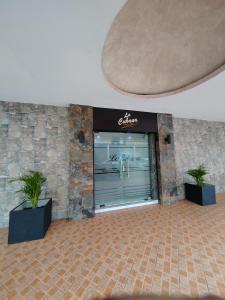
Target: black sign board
x=124, y=120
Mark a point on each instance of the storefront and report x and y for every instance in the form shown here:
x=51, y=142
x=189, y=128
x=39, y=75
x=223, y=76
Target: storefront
x=125, y=164
x=93, y=158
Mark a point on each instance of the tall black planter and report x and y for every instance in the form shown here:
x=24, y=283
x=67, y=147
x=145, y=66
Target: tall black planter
x=202, y=195
x=27, y=224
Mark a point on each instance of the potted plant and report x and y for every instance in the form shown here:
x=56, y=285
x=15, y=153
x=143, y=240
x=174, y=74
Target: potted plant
x=200, y=192
x=31, y=219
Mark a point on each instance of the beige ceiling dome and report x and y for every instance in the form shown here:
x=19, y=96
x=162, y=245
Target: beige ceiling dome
x=158, y=47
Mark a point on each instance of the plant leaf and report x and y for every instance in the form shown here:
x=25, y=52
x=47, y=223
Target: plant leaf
x=32, y=185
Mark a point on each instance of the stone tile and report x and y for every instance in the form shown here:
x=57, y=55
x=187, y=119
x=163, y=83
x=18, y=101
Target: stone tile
x=181, y=253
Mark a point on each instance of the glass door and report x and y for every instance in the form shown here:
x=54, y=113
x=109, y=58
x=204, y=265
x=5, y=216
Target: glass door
x=124, y=169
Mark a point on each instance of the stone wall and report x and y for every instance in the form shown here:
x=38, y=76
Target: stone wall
x=166, y=160
x=80, y=161
x=199, y=142
x=58, y=141
x=46, y=138
x=33, y=137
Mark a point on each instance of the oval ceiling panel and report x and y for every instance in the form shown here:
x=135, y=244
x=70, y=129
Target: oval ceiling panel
x=159, y=47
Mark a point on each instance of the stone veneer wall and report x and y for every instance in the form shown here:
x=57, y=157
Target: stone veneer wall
x=80, y=162
x=33, y=137
x=166, y=160
x=198, y=142
x=45, y=138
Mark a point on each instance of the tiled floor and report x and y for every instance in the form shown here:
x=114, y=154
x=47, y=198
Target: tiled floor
x=163, y=250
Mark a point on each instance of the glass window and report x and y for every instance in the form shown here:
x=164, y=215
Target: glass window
x=124, y=168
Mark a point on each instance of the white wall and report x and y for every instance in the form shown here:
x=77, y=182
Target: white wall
x=50, y=52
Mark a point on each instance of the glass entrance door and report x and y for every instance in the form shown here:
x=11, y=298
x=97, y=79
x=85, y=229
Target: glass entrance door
x=124, y=169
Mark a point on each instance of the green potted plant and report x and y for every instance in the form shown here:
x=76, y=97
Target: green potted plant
x=30, y=219
x=200, y=192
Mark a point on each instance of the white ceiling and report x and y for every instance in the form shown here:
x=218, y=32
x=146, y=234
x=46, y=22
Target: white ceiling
x=50, y=53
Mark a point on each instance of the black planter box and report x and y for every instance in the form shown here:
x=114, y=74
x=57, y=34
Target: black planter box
x=27, y=224
x=202, y=195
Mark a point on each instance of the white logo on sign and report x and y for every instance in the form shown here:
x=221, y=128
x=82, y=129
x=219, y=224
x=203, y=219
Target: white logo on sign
x=127, y=121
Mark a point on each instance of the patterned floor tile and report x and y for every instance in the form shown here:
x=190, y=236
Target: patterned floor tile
x=170, y=250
